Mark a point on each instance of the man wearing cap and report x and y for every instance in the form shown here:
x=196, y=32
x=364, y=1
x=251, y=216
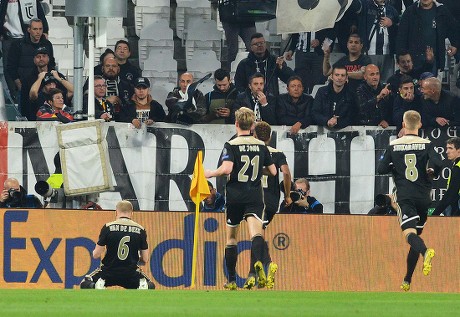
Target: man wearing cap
x=41, y=61
x=21, y=63
x=142, y=108
x=45, y=82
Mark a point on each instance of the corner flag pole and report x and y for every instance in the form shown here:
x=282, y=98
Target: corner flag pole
x=199, y=190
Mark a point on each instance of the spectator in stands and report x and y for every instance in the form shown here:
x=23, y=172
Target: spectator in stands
x=14, y=195
x=347, y=25
x=233, y=29
x=354, y=62
x=302, y=202
x=260, y=60
x=220, y=100
x=54, y=108
x=14, y=19
x=378, y=29
x=215, y=201
x=373, y=99
x=142, y=108
x=406, y=99
x=107, y=53
x=427, y=23
x=118, y=91
x=441, y=107
x=406, y=67
x=294, y=107
x=21, y=63
x=128, y=71
x=254, y=98
x=309, y=56
x=185, y=103
x=103, y=108
x=41, y=60
x=335, y=105
x=46, y=81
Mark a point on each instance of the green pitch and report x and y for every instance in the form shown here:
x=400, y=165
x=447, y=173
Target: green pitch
x=117, y=302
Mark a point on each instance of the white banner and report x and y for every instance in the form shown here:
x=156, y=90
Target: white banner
x=152, y=167
x=294, y=16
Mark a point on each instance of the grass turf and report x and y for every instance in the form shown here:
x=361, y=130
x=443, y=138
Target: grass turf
x=117, y=302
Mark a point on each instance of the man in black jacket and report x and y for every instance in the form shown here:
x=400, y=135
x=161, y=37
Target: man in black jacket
x=254, y=98
x=260, y=60
x=294, y=108
x=440, y=107
x=21, y=63
x=427, y=24
x=373, y=96
x=14, y=20
x=335, y=103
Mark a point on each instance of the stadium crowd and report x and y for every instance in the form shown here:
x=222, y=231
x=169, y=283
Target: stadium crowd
x=362, y=88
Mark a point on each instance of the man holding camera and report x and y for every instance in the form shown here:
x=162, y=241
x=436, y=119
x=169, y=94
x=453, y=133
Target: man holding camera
x=302, y=202
x=378, y=27
x=15, y=196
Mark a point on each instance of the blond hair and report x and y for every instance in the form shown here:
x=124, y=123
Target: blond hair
x=124, y=206
x=245, y=118
x=412, y=119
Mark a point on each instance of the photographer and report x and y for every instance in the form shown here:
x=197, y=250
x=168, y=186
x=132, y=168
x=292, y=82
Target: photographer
x=383, y=205
x=303, y=203
x=15, y=196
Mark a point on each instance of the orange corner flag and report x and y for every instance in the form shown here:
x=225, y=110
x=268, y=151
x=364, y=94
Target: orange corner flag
x=199, y=188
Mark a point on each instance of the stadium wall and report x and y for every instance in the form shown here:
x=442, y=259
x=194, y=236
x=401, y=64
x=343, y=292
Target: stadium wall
x=152, y=167
x=50, y=248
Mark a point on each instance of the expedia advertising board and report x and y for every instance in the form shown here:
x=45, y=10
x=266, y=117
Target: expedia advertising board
x=51, y=248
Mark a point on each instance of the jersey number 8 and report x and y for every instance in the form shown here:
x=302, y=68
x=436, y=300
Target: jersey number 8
x=411, y=169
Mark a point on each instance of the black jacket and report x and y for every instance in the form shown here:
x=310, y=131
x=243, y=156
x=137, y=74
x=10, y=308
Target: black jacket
x=448, y=107
x=128, y=112
x=410, y=33
x=268, y=113
x=22, y=200
x=21, y=63
x=371, y=111
x=325, y=108
x=267, y=66
x=366, y=23
x=400, y=106
x=289, y=113
x=191, y=115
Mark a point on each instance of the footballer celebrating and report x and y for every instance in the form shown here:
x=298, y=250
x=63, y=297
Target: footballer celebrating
x=413, y=162
x=243, y=160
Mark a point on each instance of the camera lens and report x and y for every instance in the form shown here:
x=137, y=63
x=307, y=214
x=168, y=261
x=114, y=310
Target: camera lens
x=295, y=196
x=382, y=200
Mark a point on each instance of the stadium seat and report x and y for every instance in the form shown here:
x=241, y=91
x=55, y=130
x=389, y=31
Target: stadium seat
x=160, y=64
x=155, y=36
x=60, y=33
x=202, y=35
x=160, y=89
x=145, y=15
x=202, y=63
x=188, y=9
